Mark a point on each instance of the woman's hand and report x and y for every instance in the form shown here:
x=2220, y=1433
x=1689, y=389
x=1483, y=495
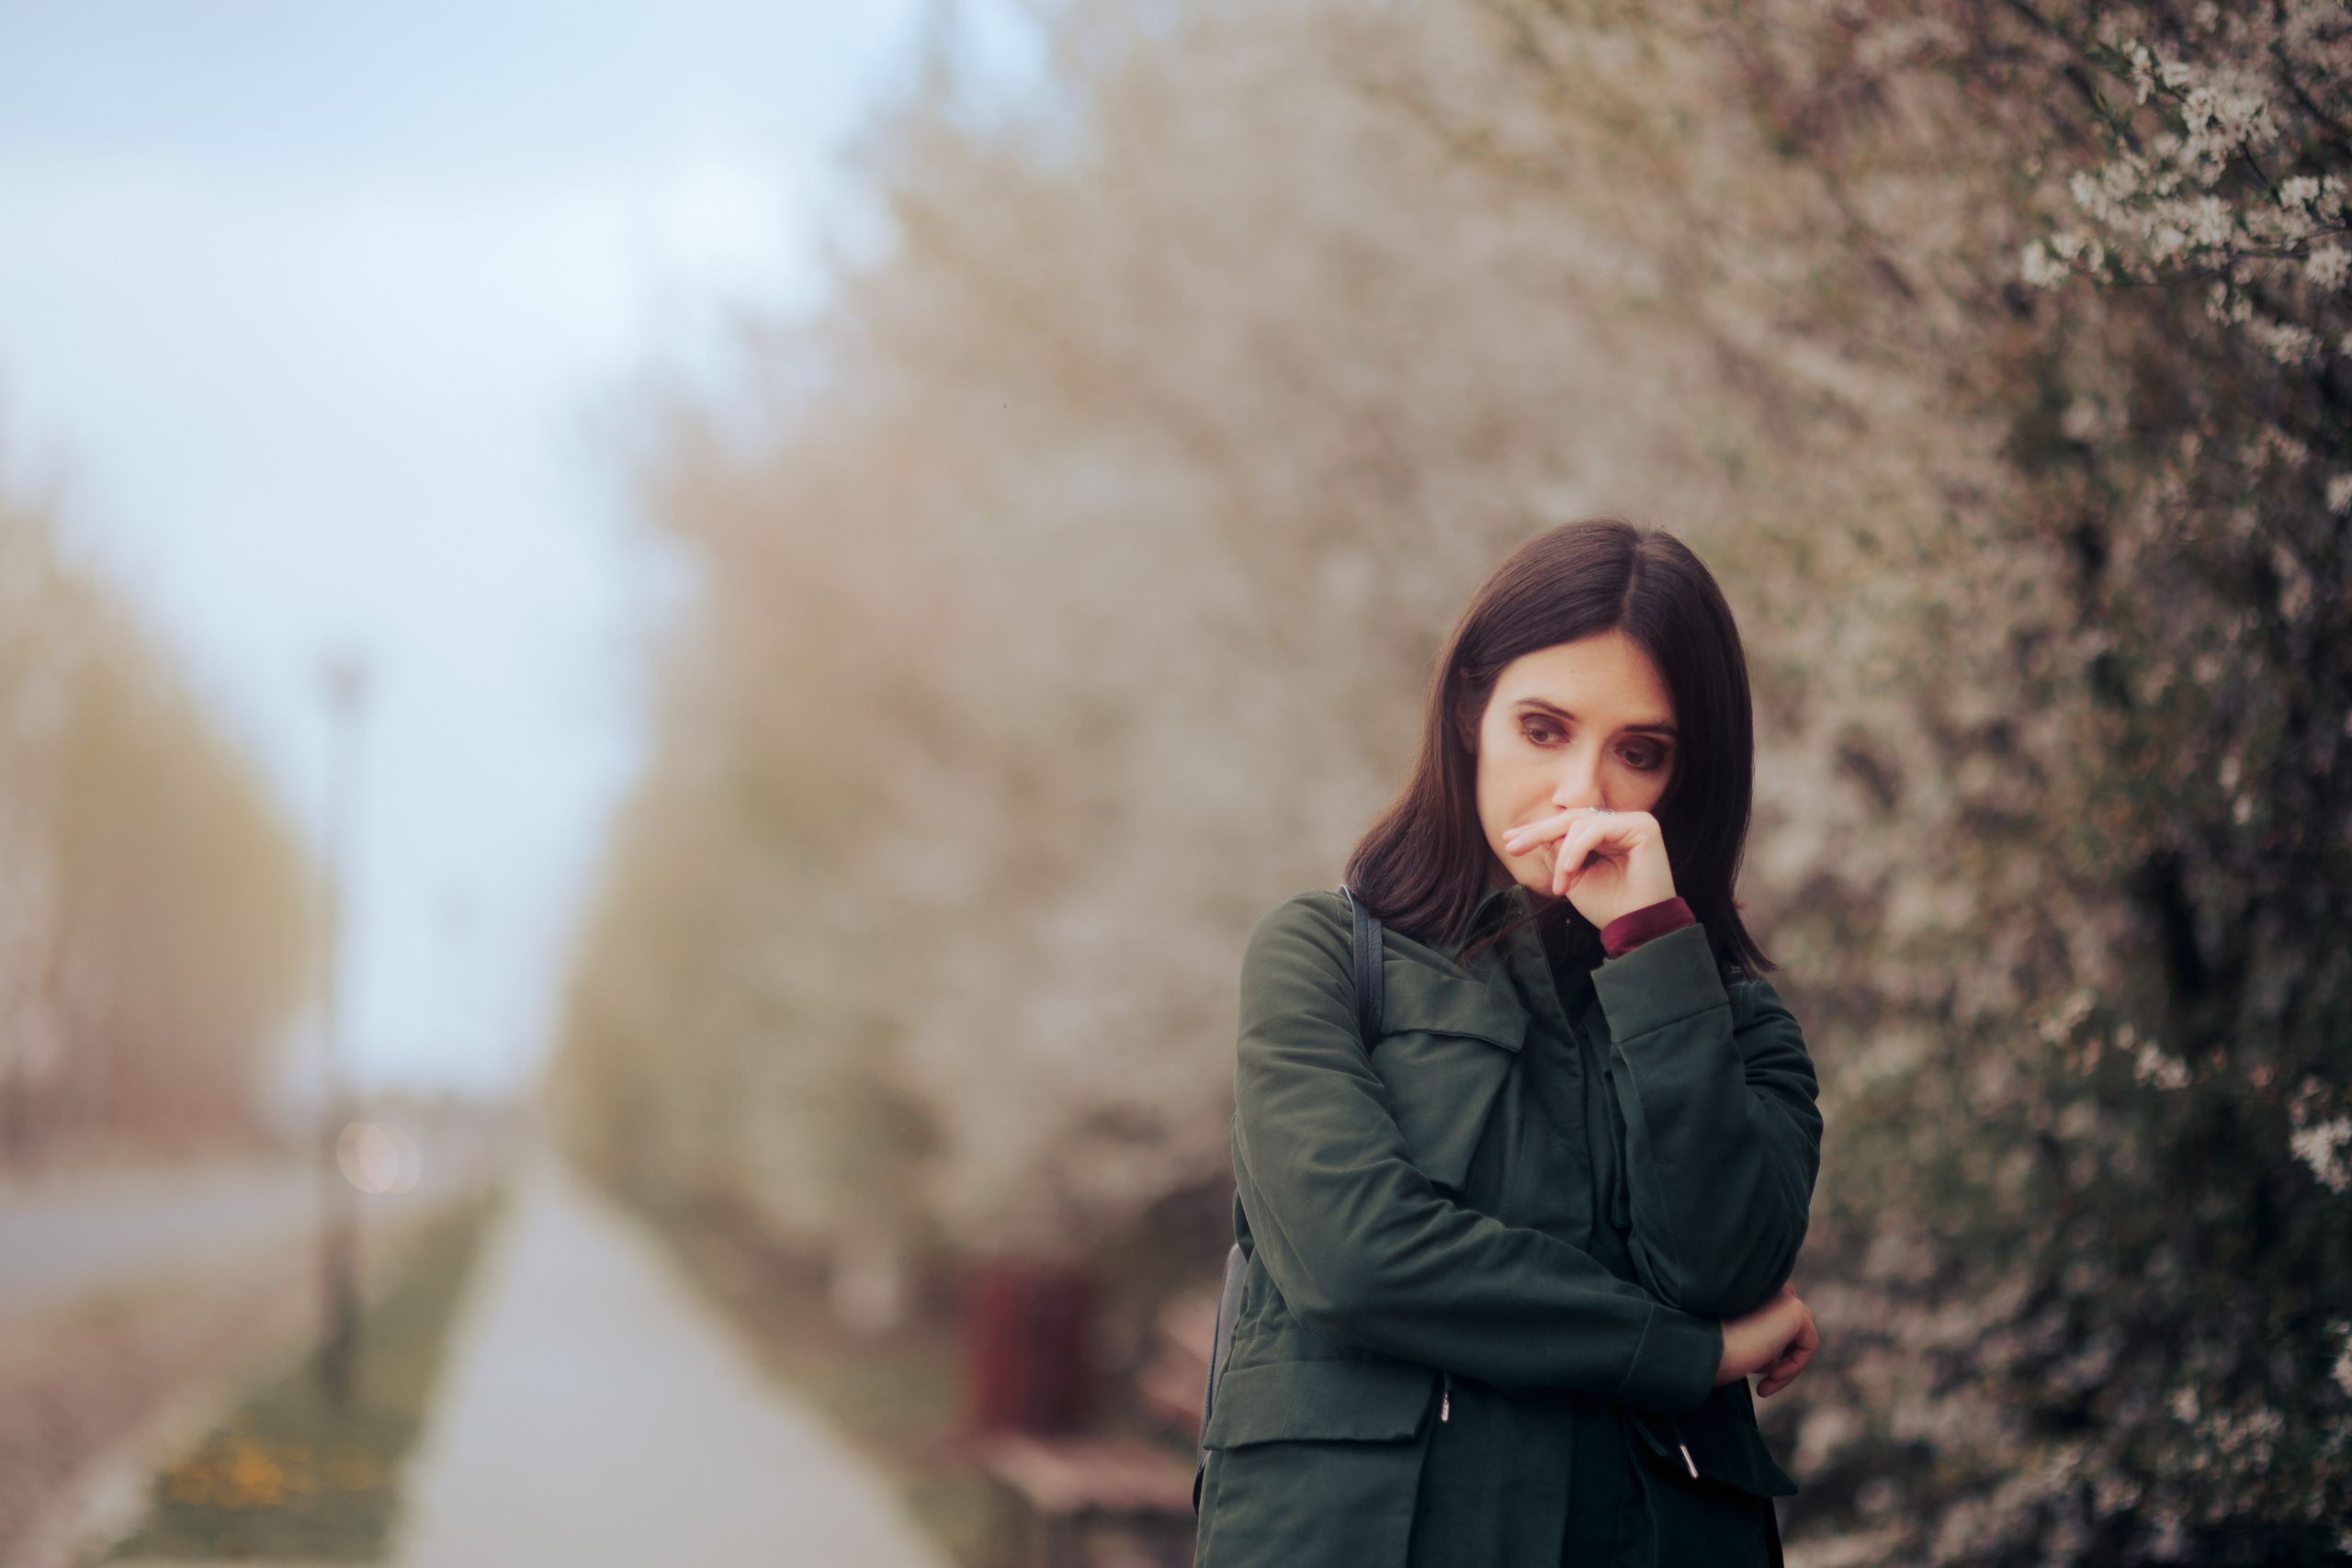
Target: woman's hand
x=1607, y=863
x=1777, y=1339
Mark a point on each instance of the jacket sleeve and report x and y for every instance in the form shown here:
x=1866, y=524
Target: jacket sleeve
x=1366, y=1251
x=1722, y=1134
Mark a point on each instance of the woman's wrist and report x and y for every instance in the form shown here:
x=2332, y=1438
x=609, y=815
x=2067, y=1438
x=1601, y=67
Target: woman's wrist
x=1629, y=930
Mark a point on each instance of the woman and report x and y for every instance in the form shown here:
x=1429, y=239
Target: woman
x=1511, y=1264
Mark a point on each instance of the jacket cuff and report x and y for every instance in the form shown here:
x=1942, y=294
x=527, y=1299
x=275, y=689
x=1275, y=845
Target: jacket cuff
x=1667, y=978
x=1630, y=930
x=1674, y=1366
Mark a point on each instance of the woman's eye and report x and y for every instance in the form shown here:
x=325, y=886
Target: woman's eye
x=1642, y=759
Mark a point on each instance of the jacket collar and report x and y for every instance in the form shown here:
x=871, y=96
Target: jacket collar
x=1514, y=901
x=1514, y=895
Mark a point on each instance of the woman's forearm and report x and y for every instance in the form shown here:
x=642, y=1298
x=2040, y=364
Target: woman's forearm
x=1723, y=1133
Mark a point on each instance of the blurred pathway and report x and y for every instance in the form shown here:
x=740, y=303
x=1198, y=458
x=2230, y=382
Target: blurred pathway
x=64, y=1238
x=597, y=1413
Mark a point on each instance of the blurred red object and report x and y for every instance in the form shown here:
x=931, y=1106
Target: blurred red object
x=1028, y=1337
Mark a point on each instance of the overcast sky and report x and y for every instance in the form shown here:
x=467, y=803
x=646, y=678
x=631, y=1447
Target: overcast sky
x=314, y=308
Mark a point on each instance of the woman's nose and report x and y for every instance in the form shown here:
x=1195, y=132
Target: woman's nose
x=1579, y=785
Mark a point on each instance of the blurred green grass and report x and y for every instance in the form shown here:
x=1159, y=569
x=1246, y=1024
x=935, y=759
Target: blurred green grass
x=287, y=1476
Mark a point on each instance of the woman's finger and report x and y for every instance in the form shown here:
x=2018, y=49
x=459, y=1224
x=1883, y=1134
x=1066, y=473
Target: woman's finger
x=1783, y=1370
x=1568, y=858
x=1591, y=835
x=1776, y=1378
x=1793, y=1359
x=1560, y=850
x=1529, y=834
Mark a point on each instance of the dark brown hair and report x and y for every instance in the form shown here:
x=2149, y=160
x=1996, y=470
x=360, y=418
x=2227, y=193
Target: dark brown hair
x=1424, y=866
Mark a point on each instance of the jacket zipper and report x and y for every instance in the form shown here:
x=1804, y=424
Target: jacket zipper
x=1445, y=1400
x=1675, y=1426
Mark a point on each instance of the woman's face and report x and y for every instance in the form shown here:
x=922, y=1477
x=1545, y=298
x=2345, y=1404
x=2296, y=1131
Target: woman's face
x=1583, y=723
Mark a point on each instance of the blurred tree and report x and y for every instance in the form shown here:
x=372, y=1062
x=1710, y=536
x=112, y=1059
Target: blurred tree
x=2092, y=1194
x=1070, y=583
x=157, y=919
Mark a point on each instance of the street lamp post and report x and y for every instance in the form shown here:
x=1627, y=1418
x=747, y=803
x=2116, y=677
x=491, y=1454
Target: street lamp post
x=346, y=695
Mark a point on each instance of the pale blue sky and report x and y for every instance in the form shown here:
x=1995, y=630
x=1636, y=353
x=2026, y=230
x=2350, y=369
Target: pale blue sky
x=314, y=308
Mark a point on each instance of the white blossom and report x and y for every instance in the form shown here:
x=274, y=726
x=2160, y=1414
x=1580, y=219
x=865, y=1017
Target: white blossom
x=2039, y=267
x=2322, y=1145
x=2327, y=267
x=2152, y=1065
x=2290, y=342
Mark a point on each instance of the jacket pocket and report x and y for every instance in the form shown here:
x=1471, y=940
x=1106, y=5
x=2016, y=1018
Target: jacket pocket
x=1722, y=1515
x=1358, y=1401
x=1447, y=1044
x=1716, y=1444
x=1314, y=1464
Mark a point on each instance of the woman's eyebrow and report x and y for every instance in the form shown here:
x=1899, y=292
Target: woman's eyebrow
x=1658, y=727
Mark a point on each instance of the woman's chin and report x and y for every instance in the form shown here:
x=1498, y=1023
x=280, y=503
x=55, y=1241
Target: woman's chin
x=1537, y=879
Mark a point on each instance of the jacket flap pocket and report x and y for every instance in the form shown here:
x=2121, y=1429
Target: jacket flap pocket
x=1422, y=999
x=1718, y=1444
x=1448, y=1043
x=1367, y=1401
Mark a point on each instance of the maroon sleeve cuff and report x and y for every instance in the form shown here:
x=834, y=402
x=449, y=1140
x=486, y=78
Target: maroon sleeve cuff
x=1628, y=932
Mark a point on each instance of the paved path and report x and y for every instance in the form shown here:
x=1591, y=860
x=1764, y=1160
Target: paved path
x=67, y=1237
x=595, y=1413
x=62, y=1239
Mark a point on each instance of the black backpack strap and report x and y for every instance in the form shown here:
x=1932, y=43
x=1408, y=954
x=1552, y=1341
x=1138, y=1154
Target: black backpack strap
x=1371, y=988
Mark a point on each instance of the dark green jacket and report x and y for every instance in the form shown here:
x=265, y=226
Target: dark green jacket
x=1431, y=1267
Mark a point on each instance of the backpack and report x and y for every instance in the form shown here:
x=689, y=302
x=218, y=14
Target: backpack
x=1368, y=1000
